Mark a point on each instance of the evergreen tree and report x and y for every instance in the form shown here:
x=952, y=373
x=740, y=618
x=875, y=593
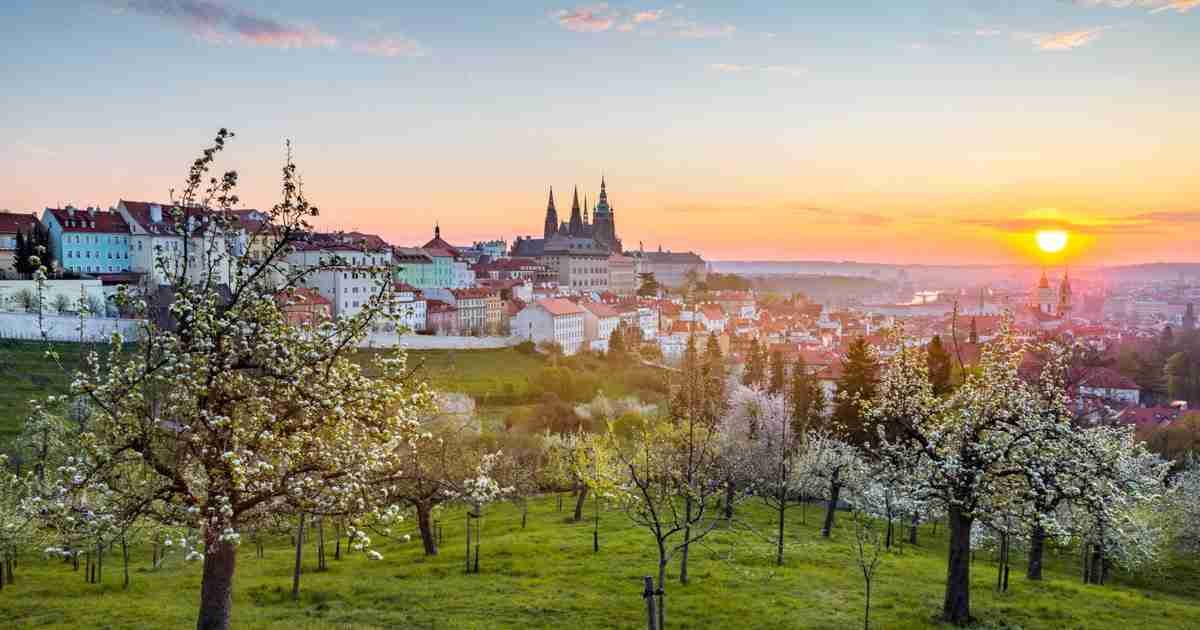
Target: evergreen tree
x=647, y=285
x=974, y=335
x=21, y=255
x=616, y=345
x=939, y=366
x=755, y=367
x=859, y=371
x=778, y=373
x=807, y=400
x=714, y=366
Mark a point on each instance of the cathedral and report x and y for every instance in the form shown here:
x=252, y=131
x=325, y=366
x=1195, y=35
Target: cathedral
x=1046, y=302
x=602, y=229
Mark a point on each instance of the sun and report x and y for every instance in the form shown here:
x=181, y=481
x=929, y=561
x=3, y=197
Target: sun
x=1051, y=241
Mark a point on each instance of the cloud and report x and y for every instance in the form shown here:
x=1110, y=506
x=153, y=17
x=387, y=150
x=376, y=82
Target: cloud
x=652, y=15
x=1067, y=40
x=1139, y=223
x=1155, y=6
x=391, y=47
x=734, y=68
x=592, y=19
x=218, y=23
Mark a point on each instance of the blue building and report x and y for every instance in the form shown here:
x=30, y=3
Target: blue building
x=89, y=241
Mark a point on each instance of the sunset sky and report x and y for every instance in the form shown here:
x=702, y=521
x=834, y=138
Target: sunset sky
x=902, y=132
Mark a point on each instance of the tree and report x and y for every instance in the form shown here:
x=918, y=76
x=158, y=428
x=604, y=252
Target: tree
x=866, y=548
x=756, y=367
x=1180, y=381
x=778, y=373
x=232, y=410
x=976, y=442
x=807, y=400
x=939, y=366
x=672, y=464
x=617, y=351
x=647, y=285
x=832, y=465
x=758, y=433
x=857, y=385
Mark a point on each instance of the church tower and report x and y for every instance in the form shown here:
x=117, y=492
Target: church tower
x=1064, y=296
x=551, y=225
x=604, y=226
x=576, y=226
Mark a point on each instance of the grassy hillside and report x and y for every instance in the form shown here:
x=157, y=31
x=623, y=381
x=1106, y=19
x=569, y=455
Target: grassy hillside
x=546, y=576
x=25, y=374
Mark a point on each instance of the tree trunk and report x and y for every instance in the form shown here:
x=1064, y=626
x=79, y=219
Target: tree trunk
x=299, y=556
x=912, y=530
x=648, y=595
x=782, y=514
x=1037, y=546
x=956, y=608
x=125, y=561
x=216, y=587
x=321, y=543
x=728, y=499
x=687, y=540
x=580, y=497
x=835, y=489
x=427, y=539
x=662, y=587
x=337, y=548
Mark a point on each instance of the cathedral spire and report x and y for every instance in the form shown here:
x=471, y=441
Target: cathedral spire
x=550, y=227
x=576, y=227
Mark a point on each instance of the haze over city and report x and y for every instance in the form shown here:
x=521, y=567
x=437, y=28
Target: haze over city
x=929, y=133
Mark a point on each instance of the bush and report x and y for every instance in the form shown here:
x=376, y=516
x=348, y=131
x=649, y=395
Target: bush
x=526, y=347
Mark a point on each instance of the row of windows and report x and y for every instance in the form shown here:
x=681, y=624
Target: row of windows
x=95, y=268
x=95, y=239
x=88, y=254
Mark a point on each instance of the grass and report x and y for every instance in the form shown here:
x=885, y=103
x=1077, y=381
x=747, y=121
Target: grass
x=26, y=374
x=546, y=576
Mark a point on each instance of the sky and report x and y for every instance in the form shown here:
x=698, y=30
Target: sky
x=930, y=132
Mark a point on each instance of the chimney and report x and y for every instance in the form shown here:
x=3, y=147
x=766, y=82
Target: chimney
x=70, y=211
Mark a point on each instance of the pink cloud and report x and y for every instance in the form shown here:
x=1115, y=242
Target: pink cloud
x=1068, y=40
x=593, y=19
x=1155, y=6
x=216, y=22
x=647, y=16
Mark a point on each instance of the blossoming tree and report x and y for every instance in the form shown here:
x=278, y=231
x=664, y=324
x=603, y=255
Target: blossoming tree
x=224, y=406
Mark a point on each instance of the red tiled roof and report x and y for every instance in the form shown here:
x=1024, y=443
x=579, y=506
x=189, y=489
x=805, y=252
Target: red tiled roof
x=600, y=310
x=13, y=222
x=559, y=306
x=712, y=312
x=303, y=296
x=1152, y=416
x=469, y=293
x=140, y=211
x=103, y=222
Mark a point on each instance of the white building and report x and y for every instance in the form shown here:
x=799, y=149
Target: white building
x=599, y=323
x=553, y=320
x=409, y=306
x=346, y=274
x=1109, y=385
x=163, y=242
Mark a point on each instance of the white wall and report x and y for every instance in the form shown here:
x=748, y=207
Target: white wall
x=66, y=327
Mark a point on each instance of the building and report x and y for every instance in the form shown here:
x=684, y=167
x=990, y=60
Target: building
x=346, y=269
x=551, y=320
x=89, y=241
x=672, y=269
x=599, y=322
x=1109, y=385
x=304, y=306
x=581, y=264
x=414, y=267
x=166, y=241
x=409, y=307
x=496, y=249
x=442, y=318
x=622, y=277
x=472, y=310
x=12, y=223
x=601, y=230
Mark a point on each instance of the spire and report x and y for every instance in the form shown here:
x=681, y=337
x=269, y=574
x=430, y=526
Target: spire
x=576, y=228
x=585, y=209
x=437, y=230
x=550, y=226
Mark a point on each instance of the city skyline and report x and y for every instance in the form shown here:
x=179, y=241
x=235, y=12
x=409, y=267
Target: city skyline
x=926, y=134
